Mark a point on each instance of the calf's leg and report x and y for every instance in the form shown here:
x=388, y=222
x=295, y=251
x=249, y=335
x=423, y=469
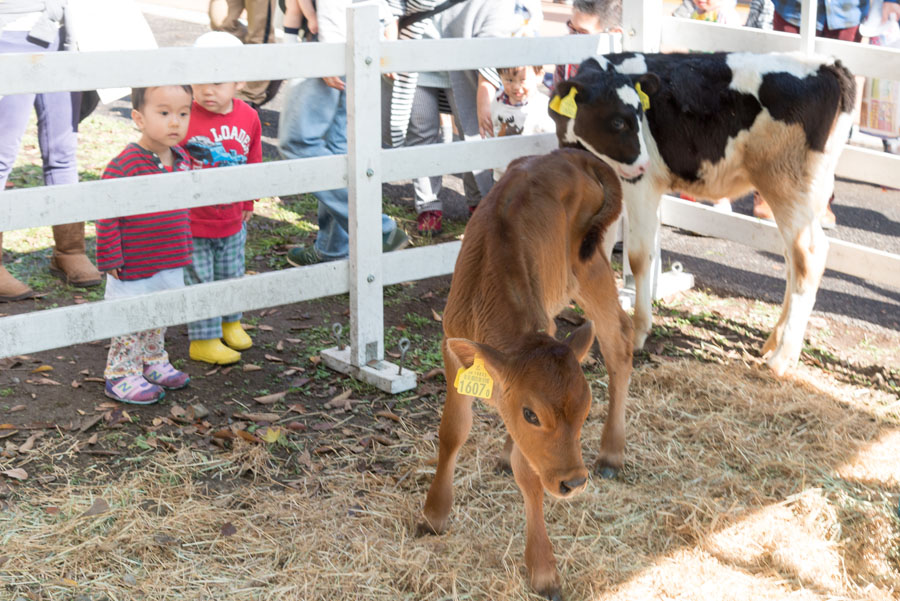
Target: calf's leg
x=456, y=421
x=806, y=249
x=598, y=296
x=539, y=559
x=642, y=206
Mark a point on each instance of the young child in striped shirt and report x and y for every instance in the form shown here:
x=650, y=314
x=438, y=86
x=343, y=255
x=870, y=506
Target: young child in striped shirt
x=224, y=131
x=147, y=253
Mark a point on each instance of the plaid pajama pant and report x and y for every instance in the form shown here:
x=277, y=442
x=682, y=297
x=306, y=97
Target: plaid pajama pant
x=215, y=259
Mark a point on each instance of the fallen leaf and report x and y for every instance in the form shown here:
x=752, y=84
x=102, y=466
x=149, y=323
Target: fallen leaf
x=228, y=529
x=296, y=427
x=29, y=444
x=274, y=359
x=383, y=439
x=85, y=372
x=51, y=510
x=47, y=382
x=100, y=506
x=101, y=380
x=16, y=473
x=436, y=315
x=213, y=371
x=258, y=417
x=248, y=326
x=89, y=423
x=270, y=398
x=279, y=346
x=227, y=370
x=106, y=406
x=294, y=340
x=224, y=433
x=315, y=359
x=389, y=415
x=251, y=367
x=247, y=436
x=341, y=397
x=68, y=582
x=265, y=328
x=297, y=408
x=322, y=426
x=270, y=435
x=76, y=384
x=93, y=439
x=7, y=427
x=42, y=369
x=18, y=408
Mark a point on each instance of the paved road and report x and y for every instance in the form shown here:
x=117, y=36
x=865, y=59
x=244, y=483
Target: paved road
x=866, y=214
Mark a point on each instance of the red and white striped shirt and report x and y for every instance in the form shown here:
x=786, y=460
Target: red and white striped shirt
x=140, y=246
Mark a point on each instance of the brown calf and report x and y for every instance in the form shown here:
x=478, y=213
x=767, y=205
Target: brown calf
x=528, y=250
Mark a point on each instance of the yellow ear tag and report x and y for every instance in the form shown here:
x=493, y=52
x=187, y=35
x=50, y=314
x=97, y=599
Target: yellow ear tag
x=565, y=106
x=474, y=381
x=645, y=100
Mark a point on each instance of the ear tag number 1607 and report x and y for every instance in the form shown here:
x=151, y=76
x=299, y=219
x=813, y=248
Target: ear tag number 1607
x=474, y=381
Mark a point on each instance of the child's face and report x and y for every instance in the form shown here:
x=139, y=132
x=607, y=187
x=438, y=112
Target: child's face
x=707, y=5
x=216, y=97
x=164, y=118
x=517, y=84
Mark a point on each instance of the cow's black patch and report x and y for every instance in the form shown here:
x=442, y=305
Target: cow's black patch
x=694, y=112
x=806, y=100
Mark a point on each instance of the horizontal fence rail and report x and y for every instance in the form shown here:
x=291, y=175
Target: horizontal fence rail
x=684, y=34
x=77, y=324
x=63, y=204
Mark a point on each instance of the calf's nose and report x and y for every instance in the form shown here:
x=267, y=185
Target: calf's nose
x=566, y=487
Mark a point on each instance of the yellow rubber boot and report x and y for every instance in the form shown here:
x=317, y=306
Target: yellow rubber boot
x=235, y=336
x=213, y=351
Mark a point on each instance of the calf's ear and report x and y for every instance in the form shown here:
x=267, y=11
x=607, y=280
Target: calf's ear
x=649, y=83
x=581, y=339
x=464, y=352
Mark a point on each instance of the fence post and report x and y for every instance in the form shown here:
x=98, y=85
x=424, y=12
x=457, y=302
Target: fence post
x=808, y=10
x=642, y=22
x=364, y=357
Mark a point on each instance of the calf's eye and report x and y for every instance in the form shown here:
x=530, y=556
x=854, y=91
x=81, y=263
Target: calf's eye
x=530, y=416
x=618, y=123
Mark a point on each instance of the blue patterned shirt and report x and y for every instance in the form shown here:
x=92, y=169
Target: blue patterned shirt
x=838, y=14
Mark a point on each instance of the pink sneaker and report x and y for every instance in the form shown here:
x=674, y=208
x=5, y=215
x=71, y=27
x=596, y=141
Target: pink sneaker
x=134, y=390
x=163, y=374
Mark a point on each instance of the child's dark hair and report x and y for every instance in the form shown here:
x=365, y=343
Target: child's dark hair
x=139, y=95
x=512, y=70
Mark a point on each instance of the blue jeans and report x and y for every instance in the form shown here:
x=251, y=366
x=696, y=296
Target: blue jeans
x=313, y=124
x=57, y=121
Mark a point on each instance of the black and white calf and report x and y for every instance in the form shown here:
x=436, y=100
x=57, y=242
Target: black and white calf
x=718, y=125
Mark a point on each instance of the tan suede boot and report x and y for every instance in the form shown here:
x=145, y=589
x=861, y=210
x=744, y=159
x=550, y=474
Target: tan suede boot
x=11, y=289
x=69, y=261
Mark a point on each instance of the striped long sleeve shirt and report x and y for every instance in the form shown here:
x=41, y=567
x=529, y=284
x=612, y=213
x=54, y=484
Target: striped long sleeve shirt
x=140, y=246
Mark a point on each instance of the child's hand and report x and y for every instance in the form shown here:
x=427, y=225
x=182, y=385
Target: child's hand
x=246, y=216
x=335, y=82
x=890, y=10
x=114, y=273
x=312, y=23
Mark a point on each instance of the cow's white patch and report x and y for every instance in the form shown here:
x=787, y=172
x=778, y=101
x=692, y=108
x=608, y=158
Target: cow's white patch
x=748, y=69
x=570, y=137
x=601, y=60
x=635, y=65
x=629, y=96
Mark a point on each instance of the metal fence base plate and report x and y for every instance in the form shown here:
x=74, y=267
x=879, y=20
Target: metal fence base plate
x=381, y=374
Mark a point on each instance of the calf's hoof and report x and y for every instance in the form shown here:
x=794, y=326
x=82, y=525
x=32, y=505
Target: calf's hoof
x=606, y=470
x=425, y=528
x=552, y=592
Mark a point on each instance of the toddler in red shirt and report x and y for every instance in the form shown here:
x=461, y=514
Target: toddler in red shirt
x=223, y=131
x=146, y=253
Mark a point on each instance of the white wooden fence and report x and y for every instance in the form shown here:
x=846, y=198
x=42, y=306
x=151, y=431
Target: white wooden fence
x=363, y=169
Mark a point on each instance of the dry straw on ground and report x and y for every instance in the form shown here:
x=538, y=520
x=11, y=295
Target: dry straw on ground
x=737, y=486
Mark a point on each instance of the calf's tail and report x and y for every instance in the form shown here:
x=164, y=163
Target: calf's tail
x=610, y=210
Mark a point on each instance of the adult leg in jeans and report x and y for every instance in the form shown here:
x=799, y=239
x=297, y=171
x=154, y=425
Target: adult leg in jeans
x=313, y=124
